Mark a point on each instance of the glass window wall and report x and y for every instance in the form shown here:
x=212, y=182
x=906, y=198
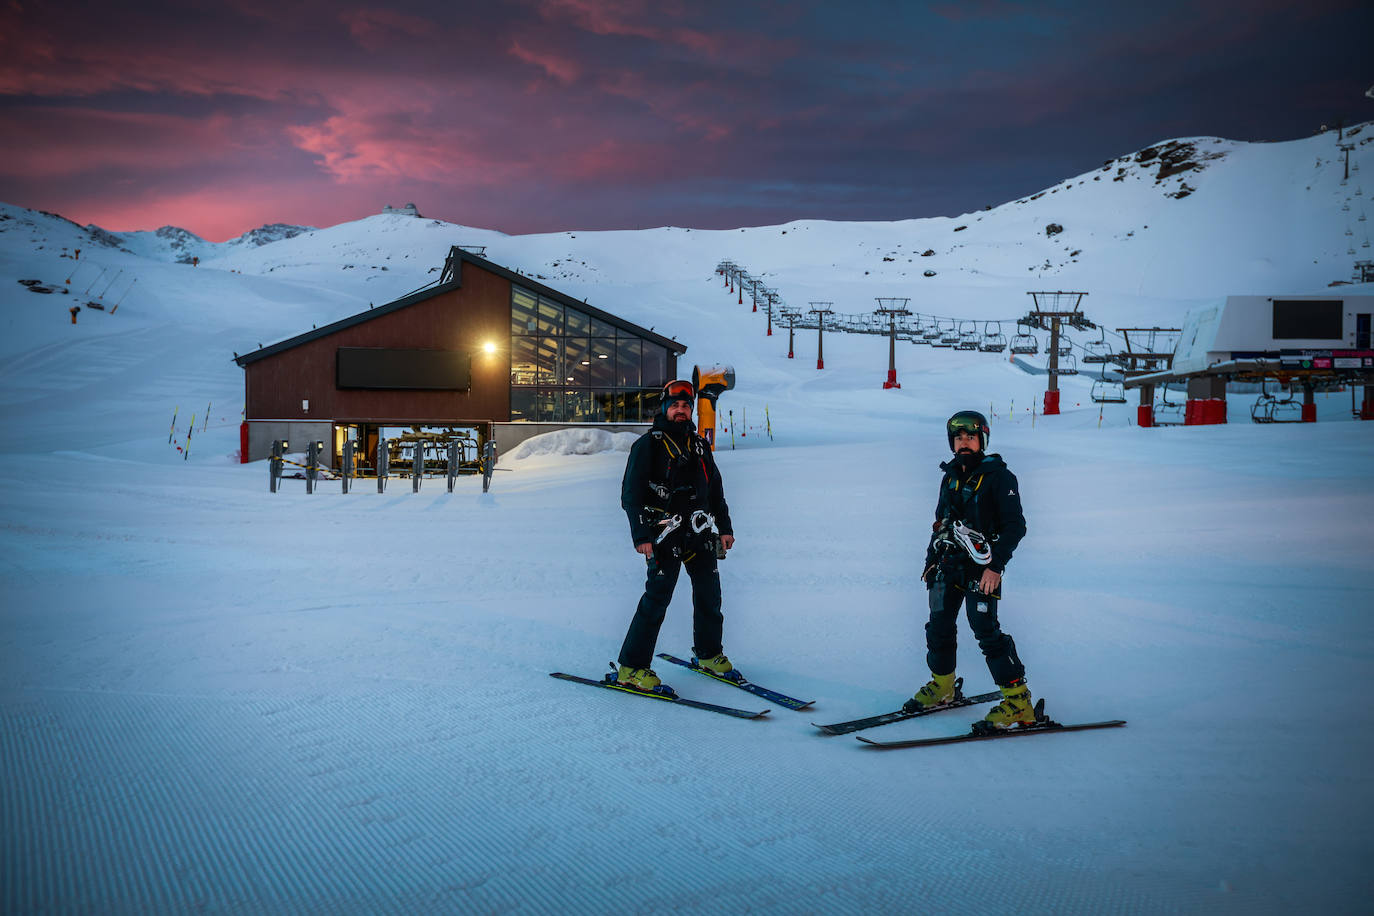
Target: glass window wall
x=569, y=367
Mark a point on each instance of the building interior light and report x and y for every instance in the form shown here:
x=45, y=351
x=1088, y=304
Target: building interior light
x=489, y=347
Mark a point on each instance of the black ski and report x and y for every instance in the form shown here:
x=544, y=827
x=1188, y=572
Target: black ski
x=959, y=701
x=772, y=696
x=609, y=683
x=1043, y=725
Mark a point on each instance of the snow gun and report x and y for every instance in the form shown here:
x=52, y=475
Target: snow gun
x=710, y=382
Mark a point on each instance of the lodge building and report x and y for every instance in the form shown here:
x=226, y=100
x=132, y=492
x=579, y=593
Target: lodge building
x=485, y=349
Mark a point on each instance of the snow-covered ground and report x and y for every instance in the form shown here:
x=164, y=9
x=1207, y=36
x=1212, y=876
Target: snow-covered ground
x=214, y=698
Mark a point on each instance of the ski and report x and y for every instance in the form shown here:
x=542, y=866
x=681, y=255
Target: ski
x=771, y=696
x=609, y=683
x=1043, y=725
x=959, y=701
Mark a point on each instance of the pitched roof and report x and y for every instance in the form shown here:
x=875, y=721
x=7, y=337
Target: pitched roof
x=449, y=280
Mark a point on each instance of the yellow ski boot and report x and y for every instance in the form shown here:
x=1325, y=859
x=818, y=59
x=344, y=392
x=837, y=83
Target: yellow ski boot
x=1015, y=711
x=938, y=692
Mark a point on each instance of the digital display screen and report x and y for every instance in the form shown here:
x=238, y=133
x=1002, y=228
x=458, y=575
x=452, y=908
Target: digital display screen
x=1307, y=319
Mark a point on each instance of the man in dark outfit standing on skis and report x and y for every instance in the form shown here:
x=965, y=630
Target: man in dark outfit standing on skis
x=672, y=494
x=978, y=523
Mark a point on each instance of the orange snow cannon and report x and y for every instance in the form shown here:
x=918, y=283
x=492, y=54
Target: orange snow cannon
x=710, y=382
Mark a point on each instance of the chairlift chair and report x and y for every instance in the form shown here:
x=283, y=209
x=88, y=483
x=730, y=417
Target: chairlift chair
x=1065, y=345
x=1068, y=365
x=1166, y=412
x=1270, y=409
x=1024, y=342
x=993, y=341
x=969, y=338
x=1098, y=351
x=948, y=336
x=1287, y=410
x=1107, y=391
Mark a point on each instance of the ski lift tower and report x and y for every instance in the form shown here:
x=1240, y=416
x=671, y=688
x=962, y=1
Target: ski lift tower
x=791, y=317
x=891, y=308
x=820, y=310
x=1053, y=310
x=728, y=269
x=1147, y=350
x=773, y=299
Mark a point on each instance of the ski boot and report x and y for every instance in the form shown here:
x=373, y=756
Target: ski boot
x=642, y=679
x=1015, y=711
x=938, y=692
x=718, y=665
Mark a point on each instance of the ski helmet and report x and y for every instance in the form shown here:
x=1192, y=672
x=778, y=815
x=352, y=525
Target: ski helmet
x=676, y=390
x=968, y=421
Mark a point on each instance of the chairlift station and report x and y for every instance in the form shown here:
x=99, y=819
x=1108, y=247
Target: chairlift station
x=1315, y=342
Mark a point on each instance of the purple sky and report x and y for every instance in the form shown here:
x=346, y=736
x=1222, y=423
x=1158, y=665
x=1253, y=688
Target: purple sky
x=543, y=115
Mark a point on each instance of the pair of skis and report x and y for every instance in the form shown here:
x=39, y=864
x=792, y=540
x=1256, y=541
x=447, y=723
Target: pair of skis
x=1043, y=724
x=734, y=679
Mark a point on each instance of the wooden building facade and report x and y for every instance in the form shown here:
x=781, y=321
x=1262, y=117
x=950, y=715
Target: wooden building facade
x=484, y=348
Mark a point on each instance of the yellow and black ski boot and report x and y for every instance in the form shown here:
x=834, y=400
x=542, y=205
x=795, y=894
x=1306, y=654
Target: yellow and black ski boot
x=941, y=690
x=1015, y=711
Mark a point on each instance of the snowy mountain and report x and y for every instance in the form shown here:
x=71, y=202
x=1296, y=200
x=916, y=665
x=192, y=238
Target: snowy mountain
x=218, y=698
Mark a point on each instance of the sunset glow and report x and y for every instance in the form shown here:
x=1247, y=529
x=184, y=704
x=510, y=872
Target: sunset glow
x=545, y=115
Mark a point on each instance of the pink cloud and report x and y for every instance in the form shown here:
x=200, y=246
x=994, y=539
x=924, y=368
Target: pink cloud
x=614, y=17
x=563, y=69
x=379, y=29
x=366, y=144
x=52, y=142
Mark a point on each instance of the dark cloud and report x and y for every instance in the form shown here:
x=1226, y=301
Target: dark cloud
x=548, y=114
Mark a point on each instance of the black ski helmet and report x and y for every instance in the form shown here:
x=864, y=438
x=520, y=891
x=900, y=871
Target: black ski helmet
x=676, y=390
x=968, y=421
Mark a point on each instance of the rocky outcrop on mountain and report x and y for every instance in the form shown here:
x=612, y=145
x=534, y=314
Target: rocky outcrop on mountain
x=271, y=232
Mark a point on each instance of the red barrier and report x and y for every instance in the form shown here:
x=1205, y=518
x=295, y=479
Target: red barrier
x=1309, y=413
x=1145, y=416
x=1051, y=403
x=243, y=442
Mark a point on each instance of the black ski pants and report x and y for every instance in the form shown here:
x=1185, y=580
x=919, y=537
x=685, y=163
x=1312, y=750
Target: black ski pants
x=707, y=620
x=942, y=633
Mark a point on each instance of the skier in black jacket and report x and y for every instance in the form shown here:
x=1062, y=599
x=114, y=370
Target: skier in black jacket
x=672, y=494
x=978, y=513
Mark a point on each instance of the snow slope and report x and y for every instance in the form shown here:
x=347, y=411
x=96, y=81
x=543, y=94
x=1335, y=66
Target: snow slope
x=218, y=699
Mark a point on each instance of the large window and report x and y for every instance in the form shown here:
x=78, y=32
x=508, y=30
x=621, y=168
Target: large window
x=569, y=367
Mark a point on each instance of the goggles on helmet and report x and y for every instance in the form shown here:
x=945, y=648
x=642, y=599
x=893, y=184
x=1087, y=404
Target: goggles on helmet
x=678, y=391
x=970, y=425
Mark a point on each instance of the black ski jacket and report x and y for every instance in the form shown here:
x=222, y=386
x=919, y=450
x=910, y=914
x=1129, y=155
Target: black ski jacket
x=666, y=476
x=988, y=500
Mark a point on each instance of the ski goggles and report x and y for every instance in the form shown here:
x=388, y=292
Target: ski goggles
x=678, y=391
x=970, y=425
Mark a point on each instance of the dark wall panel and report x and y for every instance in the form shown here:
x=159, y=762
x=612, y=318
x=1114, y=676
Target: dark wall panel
x=385, y=368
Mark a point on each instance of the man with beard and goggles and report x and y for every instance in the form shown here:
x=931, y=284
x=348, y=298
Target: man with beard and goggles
x=673, y=497
x=978, y=524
